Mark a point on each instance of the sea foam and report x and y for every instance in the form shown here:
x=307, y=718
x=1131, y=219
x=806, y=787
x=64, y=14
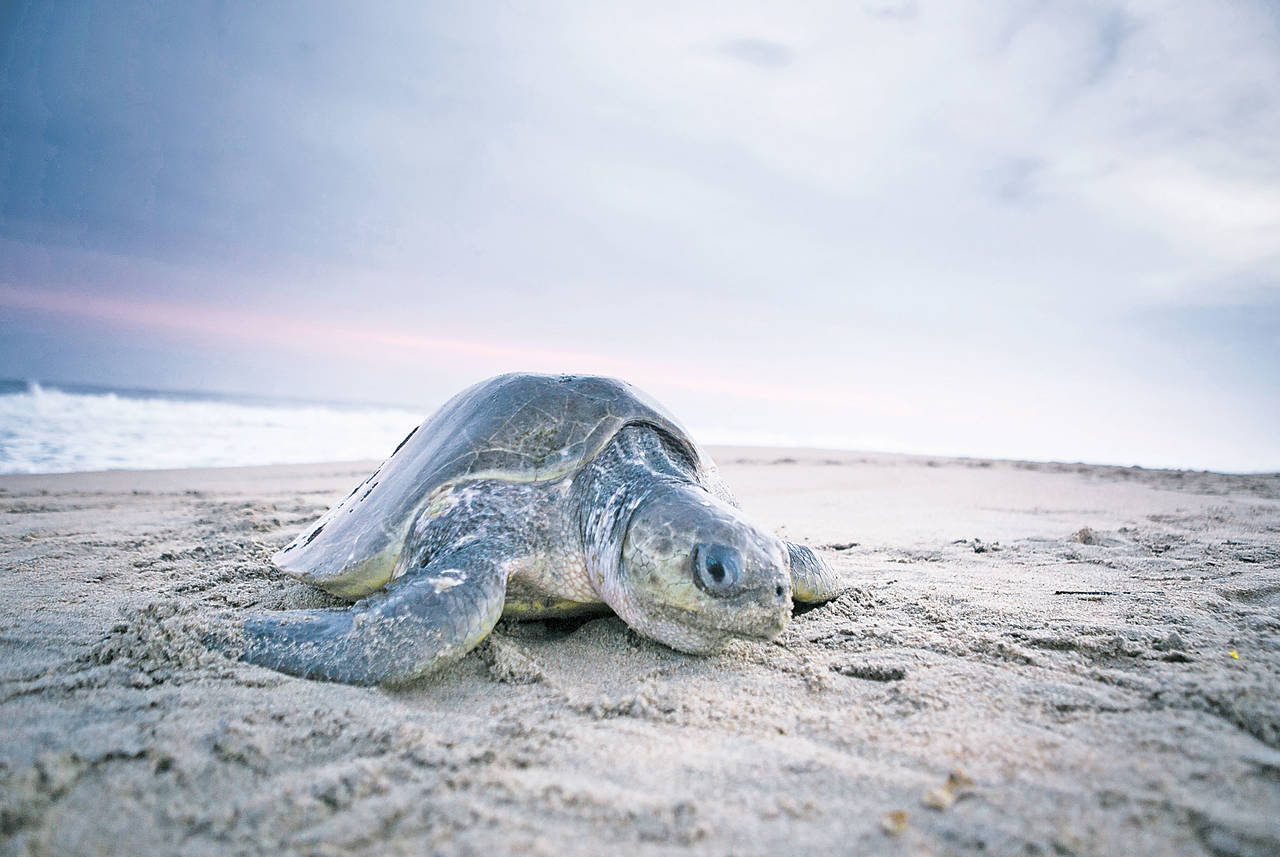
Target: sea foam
x=57, y=429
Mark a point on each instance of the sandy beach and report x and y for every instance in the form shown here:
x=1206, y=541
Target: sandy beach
x=1033, y=659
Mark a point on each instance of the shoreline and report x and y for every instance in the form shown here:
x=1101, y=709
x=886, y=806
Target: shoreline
x=810, y=454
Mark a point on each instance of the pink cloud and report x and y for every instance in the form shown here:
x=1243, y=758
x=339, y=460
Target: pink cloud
x=221, y=323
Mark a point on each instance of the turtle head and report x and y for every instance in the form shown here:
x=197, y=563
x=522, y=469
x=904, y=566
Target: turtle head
x=694, y=572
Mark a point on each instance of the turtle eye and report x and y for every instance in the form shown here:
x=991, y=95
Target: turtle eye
x=716, y=568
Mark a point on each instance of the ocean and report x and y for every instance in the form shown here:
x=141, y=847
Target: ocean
x=51, y=427
x=59, y=428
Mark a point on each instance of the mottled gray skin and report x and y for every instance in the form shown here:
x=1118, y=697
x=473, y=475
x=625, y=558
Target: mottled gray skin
x=532, y=496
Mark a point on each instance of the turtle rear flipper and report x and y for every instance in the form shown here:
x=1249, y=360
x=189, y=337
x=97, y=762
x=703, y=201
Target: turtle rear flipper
x=422, y=621
x=812, y=579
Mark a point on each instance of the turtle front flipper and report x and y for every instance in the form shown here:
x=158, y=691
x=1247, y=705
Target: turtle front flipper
x=429, y=617
x=812, y=580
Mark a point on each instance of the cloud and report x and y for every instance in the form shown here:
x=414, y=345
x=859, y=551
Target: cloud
x=1115, y=27
x=1013, y=179
x=904, y=10
x=873, y=197
x=760, y=53
x=412, y=140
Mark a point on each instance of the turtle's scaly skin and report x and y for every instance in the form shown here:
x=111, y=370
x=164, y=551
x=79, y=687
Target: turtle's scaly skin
x=532, y=495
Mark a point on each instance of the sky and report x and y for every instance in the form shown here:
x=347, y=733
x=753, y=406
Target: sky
x=1004, y=228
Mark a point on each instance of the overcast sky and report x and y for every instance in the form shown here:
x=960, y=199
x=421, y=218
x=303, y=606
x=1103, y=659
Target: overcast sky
x=1021, y=229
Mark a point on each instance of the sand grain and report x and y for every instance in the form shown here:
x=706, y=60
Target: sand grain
x=1034, y=659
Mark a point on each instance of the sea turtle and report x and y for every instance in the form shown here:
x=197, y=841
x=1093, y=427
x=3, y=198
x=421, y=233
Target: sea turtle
x=532, y=496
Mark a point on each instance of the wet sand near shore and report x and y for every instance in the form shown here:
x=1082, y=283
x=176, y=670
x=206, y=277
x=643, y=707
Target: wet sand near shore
x=1032, y=659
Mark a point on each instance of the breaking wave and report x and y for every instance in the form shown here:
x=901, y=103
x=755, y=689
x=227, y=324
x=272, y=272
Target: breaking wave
x=63, y=428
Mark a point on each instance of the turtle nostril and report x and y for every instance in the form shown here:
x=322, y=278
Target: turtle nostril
x=777, y=590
